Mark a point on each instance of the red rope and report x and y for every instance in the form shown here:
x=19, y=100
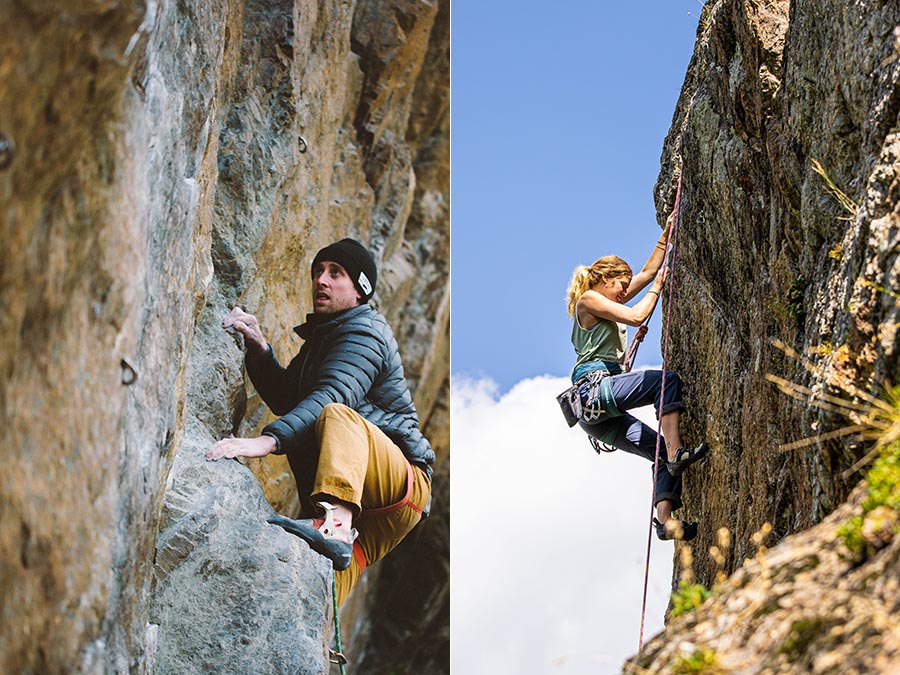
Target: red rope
x=668, y=263
x=635, y=343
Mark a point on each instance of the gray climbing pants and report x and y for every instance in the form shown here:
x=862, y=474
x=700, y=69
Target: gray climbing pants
x=628, y=433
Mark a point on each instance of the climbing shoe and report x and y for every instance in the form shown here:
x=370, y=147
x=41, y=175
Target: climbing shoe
x=684, y=457
x=680, y=530
x=320, y=534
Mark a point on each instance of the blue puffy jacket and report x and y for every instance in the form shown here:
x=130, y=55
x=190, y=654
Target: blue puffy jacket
x=352, y=358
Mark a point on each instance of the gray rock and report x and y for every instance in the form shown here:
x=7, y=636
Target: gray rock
x=233, y=594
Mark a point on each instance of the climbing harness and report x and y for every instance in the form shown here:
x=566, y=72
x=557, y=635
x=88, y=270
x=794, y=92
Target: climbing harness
x=336, y=657
x=591, y=398
x=598, y=397
x=669, y=264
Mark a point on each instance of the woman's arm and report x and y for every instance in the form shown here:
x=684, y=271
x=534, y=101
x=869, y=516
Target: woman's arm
x=654, y=262
x=603, y=308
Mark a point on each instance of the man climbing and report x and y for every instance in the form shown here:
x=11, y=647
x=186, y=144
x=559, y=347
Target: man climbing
x=348, y=424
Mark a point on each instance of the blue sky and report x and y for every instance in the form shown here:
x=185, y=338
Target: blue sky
x=559, y=112
x=559, y=115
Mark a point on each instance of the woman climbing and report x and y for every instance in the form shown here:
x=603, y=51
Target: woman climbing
x=596, y=302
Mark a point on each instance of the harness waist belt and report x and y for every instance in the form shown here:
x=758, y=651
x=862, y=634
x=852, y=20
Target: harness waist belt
x=393, y=508
x=386, y=511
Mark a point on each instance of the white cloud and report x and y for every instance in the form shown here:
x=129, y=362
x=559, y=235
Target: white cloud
x=548, y=539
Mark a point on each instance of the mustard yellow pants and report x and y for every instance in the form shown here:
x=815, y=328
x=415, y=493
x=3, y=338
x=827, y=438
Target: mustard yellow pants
x=360, y=465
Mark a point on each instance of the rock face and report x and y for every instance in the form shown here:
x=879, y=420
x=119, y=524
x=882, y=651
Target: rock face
x=173, y=159
x=766, y=251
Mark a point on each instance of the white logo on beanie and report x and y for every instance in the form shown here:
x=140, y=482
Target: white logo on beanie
x=364, y=283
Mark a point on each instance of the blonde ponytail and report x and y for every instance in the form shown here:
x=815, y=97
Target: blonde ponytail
x=583, y=278
x=581, y=282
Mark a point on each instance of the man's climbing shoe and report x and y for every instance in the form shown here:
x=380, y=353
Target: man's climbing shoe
x=675, y=529
x=684, y=457
x=320, y=534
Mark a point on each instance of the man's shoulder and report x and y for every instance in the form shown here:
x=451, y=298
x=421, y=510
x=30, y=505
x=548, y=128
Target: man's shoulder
x=366, y=324
x=364, y=316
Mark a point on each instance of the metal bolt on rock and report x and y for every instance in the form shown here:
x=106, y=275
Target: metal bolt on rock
x=129, y=372
x=7, y=151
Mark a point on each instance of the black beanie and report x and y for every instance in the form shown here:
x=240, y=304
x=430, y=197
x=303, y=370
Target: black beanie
x=356, y=259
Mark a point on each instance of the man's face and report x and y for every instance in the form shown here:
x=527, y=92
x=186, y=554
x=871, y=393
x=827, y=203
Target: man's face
x=332, y=289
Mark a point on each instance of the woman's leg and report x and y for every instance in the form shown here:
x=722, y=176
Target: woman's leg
x=643, y=387
x=663, y=510
x=629, y=434
x=670, y=422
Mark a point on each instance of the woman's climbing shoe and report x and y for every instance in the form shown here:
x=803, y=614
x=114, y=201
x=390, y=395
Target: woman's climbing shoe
x=675, y=529
x=684, y=457
x=320, y=534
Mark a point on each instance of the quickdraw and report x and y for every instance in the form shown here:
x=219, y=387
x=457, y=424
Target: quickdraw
x=584, y=400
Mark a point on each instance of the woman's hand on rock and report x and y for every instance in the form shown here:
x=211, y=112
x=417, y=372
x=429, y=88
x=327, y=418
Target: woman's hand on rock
x=660, y=280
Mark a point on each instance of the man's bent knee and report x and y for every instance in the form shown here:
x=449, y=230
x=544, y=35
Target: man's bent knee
x=334, y=411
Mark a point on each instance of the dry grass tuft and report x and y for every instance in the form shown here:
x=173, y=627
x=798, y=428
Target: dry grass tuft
x=846, y=203
x=880, y=289
x=871, y=418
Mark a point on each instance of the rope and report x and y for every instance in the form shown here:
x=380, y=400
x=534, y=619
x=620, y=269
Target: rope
x=668, y=263
x=635, y=343
x=337, y=624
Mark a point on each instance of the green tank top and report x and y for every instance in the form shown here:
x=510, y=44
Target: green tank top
x=607, y=341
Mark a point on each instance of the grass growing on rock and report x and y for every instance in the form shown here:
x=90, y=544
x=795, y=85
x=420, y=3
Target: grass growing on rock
x=801, y=635
x=701, y=661
x=875, y=528
x=795, y=297
x=688, y=597
x=791, y=307
x=872, y=418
